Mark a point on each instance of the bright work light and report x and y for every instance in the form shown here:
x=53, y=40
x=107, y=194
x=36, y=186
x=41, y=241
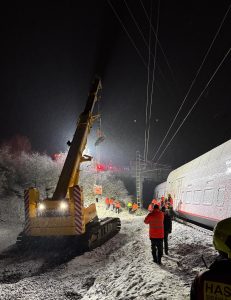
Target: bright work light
x=63, y=205
x=41, y=206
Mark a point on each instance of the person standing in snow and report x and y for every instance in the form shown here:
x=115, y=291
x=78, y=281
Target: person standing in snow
x=215, y=282
x=134, y=207
x=155, y=219
x=111, y=203
x=150, y=207
x=117, y=207
x=129, y=206
x=107, y=203
x=167, y=228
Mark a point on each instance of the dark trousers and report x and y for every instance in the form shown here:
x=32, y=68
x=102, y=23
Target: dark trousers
x=166, y=242
x=157, y=249
x=117, y=210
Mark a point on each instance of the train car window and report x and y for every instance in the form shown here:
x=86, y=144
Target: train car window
x=208, y=196
x=188, y=197
x=197, y=196
x=220, y=197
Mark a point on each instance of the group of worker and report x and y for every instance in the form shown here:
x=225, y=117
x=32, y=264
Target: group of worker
x=167, y=202
x=215, y=281
x=132, y=207
x=112, y=204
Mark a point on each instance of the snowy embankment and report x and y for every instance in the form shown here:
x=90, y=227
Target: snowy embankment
x=120, y=269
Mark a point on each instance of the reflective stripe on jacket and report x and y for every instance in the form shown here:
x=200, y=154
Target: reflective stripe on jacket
x=155, y=220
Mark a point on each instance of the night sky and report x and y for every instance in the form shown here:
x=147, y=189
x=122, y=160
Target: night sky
x=50, y=51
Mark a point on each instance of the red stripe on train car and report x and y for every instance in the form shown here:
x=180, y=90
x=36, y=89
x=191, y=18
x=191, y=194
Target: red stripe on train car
x=196, y=215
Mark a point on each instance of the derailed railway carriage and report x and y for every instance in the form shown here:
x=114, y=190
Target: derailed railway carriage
x=201, y=188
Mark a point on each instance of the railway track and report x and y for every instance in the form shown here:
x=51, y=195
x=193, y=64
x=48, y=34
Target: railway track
x=196, y=226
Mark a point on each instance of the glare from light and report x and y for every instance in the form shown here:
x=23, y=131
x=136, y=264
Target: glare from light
x=63, y=205
x=41, y=206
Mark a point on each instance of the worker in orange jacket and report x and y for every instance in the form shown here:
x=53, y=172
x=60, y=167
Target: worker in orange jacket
x=107, y=203
x=162, y=201
x=150, y=207
x=154, y=201
x=134, y=206
x=117, y=207
x=155, y=219
x=111, y=202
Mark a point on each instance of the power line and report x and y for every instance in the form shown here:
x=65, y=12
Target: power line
x=124, y=28
x=193, y=82
x=153, y=77
x=147, y=89
x=161, y=48
x=195, y=103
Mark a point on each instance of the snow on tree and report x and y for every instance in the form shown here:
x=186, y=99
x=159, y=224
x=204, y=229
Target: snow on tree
x=21, y=170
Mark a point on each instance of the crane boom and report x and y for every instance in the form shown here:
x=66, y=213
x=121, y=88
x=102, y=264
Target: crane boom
x=70, y=171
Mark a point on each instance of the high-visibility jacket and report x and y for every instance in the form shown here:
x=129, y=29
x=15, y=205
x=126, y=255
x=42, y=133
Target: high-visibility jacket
x=154, y=201
x=111, y=201
x=150, y=207
x=134, y=206
x=107, y=200
x=117, y=205
x=214, y=283
x=155, y=219
x=129, y=205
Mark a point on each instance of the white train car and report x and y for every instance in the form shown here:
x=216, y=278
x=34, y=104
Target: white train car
x=201, y=189
x=160, y=191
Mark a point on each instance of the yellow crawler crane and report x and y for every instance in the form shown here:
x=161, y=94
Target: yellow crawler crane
x=64, y=217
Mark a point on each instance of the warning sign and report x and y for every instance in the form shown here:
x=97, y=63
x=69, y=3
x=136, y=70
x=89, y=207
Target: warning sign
x=217, y=291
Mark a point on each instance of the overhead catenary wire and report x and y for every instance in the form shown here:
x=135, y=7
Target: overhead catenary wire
x=153, y=80
x=197, y=100
x=161, y=48
x=147, y=88
x=129, y=36
x=143, y=37
x=131, y=39
x=193, y=82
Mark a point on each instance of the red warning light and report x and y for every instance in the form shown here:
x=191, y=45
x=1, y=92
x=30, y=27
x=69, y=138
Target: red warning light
x=100, y=167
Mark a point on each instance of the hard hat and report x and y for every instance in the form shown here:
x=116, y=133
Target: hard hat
x=222, y=237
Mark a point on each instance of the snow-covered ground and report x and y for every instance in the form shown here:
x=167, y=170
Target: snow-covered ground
x=120, y=269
